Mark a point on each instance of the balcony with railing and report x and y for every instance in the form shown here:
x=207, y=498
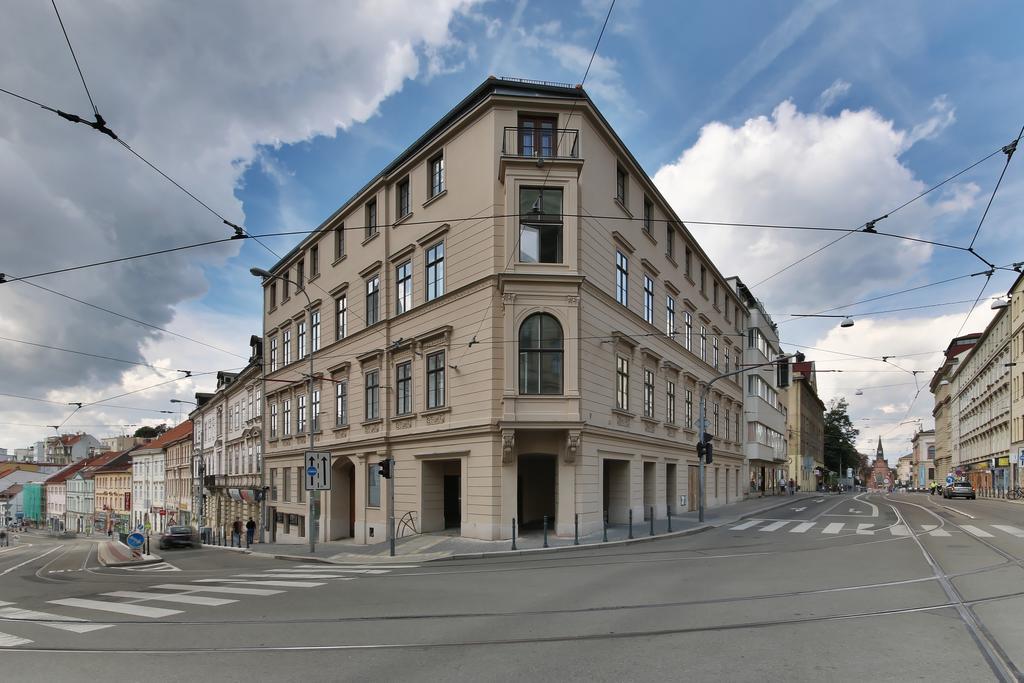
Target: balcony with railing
x=539, y=145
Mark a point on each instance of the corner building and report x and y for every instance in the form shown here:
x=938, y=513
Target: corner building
x=514, y=312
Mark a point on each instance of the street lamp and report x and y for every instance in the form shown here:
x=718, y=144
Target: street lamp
x=314, y=496
x=847, y=320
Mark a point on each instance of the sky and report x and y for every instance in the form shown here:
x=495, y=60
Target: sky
x=811, y=113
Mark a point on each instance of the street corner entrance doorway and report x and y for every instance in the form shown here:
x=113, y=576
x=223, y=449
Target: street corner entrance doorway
x=615, y=495
x=442, y=495
x=537, y=490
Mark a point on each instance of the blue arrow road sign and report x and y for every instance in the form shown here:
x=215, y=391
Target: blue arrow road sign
x=135, y=540
x=311, y=471
x=949, y=478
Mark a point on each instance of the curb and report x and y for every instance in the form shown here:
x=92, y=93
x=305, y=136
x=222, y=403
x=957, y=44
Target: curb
x=243, y=551
x=156, y=559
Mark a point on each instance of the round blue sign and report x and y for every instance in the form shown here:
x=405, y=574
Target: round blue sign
x=949, y=479
x=135, y=540
x=311, y=471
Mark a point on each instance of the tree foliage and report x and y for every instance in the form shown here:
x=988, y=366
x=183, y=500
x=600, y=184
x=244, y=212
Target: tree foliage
x=840, y=440
x=147, y=432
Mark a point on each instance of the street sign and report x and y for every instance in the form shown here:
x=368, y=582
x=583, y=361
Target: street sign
x=1020, y=457
x=949, y=479
x=318, y=471
x=135, y=540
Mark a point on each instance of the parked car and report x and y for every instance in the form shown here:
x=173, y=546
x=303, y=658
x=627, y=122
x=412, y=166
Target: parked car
x=178, y=536
x=960, y=489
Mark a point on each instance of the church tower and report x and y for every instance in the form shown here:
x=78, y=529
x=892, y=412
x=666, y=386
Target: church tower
x=879, y=455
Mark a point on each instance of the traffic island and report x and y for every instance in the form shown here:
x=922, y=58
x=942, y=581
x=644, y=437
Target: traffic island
x=117, y=554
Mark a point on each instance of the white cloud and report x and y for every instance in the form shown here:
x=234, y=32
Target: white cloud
x=943, y=116
x=959, y=198
x=833, y=93
x=198, y=93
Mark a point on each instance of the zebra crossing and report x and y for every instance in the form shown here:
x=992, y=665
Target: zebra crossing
x=80, y=615
x=796, y=526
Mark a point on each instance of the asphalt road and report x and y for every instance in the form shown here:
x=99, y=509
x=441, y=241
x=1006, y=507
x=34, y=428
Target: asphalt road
x=867, y=587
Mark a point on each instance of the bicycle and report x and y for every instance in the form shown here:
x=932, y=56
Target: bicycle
x=1015, y=493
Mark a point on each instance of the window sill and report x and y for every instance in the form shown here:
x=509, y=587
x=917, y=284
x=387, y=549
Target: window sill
x=433, y=199
x=623, y=413
x=649, y=236
x=313, y=278
x=671, y=259
x=690, y=279
x=374, y=421
x=372, y=237
x=401, y=220
x=434, y=411
x=340, y=428
x=271, y=309
x=649, y=420
x=339, y=259
x=621, y=204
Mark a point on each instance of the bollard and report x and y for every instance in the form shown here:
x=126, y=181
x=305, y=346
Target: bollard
x=670, y=519
x=652, y=520
x=513, y=533
x=604, y=525
x=631, y=522
x=545, y=531
x=576, y=524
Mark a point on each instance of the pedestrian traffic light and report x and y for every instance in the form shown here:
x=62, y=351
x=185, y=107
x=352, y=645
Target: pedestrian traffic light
x=708, y=449
x=385, y=468
x=700, y=451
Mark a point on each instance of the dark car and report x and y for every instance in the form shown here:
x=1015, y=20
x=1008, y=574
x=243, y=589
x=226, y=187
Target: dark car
x=959, y=489
x=178, y=536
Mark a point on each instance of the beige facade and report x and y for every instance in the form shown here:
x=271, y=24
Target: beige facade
x=1017, y=380
x=514, y=369
x=178, y=482
x=805, y=425
x=924, y=470
x=113, y=494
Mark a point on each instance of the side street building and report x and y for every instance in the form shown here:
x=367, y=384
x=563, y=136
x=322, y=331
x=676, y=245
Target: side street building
x=56, y=496
x=179, y=485
x=923, y=445
x=943, y=410
x=513, y=312
x=149, y=468
x=68, y=448
x=805, y=426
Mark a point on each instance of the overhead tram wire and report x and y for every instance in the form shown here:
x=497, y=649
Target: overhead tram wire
x=91, y=355
x=984, y=286
x=77, y=65
x=1008, y=150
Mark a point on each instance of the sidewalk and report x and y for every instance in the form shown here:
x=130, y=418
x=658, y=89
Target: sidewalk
x=117, y=554
x=440, y=546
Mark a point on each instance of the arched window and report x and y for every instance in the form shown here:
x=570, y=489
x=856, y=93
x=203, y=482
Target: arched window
x=540, y=355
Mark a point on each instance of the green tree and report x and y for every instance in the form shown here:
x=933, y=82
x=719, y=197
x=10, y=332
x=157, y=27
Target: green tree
x=840, y=440
x=148, y=432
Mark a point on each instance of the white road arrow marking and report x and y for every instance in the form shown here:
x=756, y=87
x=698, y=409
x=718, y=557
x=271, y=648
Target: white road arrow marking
x=798, y=509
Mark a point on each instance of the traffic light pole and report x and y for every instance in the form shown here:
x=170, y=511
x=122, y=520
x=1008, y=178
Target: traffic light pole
x=391, y=510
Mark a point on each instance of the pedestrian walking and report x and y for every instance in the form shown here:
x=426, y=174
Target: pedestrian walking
x=250, y=532
x=236, y=533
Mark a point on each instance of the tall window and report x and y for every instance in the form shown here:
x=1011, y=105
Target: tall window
x=688, y=408
x=286, y=484
x=703, y=279
x=300, y=275
x=687, y=330
x=371, y=218
x=284, y=286
x=373, y=485
x=670, y=316
x=688, y=265
x=259, y=403
x=402, y=199
x=648, y=299
x=286, y=417
x=273, y=420
x=540, y=355
x=670, y=240
x=728, y=420
x=648, y=214
x=621, y=184
x=339, y=242
x=621, y=383
x=437, y=175
x=300, y=415
x=621, y=278
x=435, y=380
x=403, y=287
x=670, y=402
x=435, y=271
x=714, y=352
x=403, y=388
x=717, y=422
x=373, y=300
x=314, y=339
x=648, y=393
x=273, y=354
x=273, y=295
x=286, y=336
x=714, y=295
x=371, y=397
x=728, y=353
x=314, y=261
x=341, y=317
x=703, y=344
x=537, y=136
x=540, y=225
x=300, y=340
x=341, y=404
x=316, y=410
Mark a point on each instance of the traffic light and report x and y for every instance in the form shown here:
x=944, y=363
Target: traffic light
x=708, y=449
x=385, y=468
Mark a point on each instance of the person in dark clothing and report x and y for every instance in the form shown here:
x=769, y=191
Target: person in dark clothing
x=250, y=532
x=236, y=533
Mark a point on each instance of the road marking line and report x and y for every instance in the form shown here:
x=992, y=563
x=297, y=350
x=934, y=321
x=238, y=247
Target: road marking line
x=44, y=617
x=959, y=512
x=31, y=559
x=934, y=530
x=231, y=590
x=899, y=530
x=358, y=566
x=1012, y=530
x=775, y=526
x=833, y=528
x=170, y=597
x=865, y=529
x=819, y=500
x=331, y=572
x=117, y=607
x=975, y=531
x=2, y=603
x=798, y=509
x=295, y=576
x=7, y=640
x=746, y=525
x=802, y=527
x=283, y=584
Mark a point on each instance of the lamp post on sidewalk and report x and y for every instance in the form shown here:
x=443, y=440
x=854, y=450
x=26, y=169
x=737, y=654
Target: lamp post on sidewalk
x=314, y=496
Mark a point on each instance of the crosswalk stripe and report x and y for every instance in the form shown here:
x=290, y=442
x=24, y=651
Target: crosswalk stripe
x=1012, y=530
x=833, y=528
x=359, y=566
x=295, y=576
x=774, y=526
x=282, y=584
x=934, y=530
x=747, y=525
x=801, y=528
x=172, y=597
x=899, y=530
x=47, y=620
x=975, y=531
x=228, y=590
x=286, y=572
x=864, y=528
x=7, y=640
x=117, y=607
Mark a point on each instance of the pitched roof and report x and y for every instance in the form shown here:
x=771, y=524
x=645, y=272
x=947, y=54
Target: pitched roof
x=121, y=463
x=11, y=491
x=98, y=461
x=67, y=472
x=171, y=436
